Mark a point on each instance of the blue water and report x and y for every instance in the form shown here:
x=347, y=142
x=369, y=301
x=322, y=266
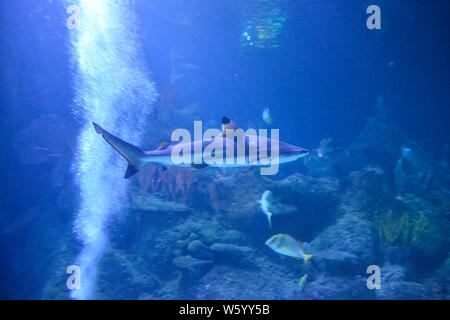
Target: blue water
x=376, y=194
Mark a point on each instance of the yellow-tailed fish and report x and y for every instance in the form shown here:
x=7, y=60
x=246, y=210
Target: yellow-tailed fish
x=288, y=246
x=302, y=282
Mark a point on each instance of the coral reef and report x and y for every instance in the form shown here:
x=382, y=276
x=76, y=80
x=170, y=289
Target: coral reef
x=347, y=247
x=395, y=287
x=199, y=234
x=379, y=143
x=230, y=253
x=226, y=282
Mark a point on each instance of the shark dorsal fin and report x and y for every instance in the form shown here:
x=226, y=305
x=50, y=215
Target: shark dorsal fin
x=227, y=124
x=163, y=145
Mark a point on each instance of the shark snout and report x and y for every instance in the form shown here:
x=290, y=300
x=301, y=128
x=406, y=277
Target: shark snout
x=300, y=152
x=291, y=151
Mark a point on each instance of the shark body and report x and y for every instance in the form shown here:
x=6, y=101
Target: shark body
x=137, y=158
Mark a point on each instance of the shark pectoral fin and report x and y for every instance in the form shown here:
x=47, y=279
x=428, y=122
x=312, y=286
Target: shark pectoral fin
x=163, y=145
x=199, y=166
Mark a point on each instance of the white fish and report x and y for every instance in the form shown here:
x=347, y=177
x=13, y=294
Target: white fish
x=266, y=116
x=324, y=147
x=407, y=154
x=265, y=205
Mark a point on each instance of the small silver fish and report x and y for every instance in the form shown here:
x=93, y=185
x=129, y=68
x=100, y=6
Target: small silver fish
x=324, y=147
x=302, y=282
x=266, y=116
x=265, y=205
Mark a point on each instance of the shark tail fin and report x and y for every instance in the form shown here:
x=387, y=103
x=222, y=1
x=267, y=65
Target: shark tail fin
x=307, y=257
x=269, y=217
x=132, y=154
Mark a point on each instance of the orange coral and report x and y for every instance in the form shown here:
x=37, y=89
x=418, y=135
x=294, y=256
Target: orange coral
x=149, y=178
x=213, y=198
x=177, y=182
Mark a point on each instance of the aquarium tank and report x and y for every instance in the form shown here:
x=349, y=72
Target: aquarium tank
x=224, y=150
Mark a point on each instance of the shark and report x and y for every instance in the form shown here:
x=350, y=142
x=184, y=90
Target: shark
x=138, y=158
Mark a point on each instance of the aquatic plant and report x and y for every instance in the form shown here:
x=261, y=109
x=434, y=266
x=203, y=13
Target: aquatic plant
x=174, y=183
x=177, y=183
x=419, y=228
x=400, y=228
x=149, y=178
